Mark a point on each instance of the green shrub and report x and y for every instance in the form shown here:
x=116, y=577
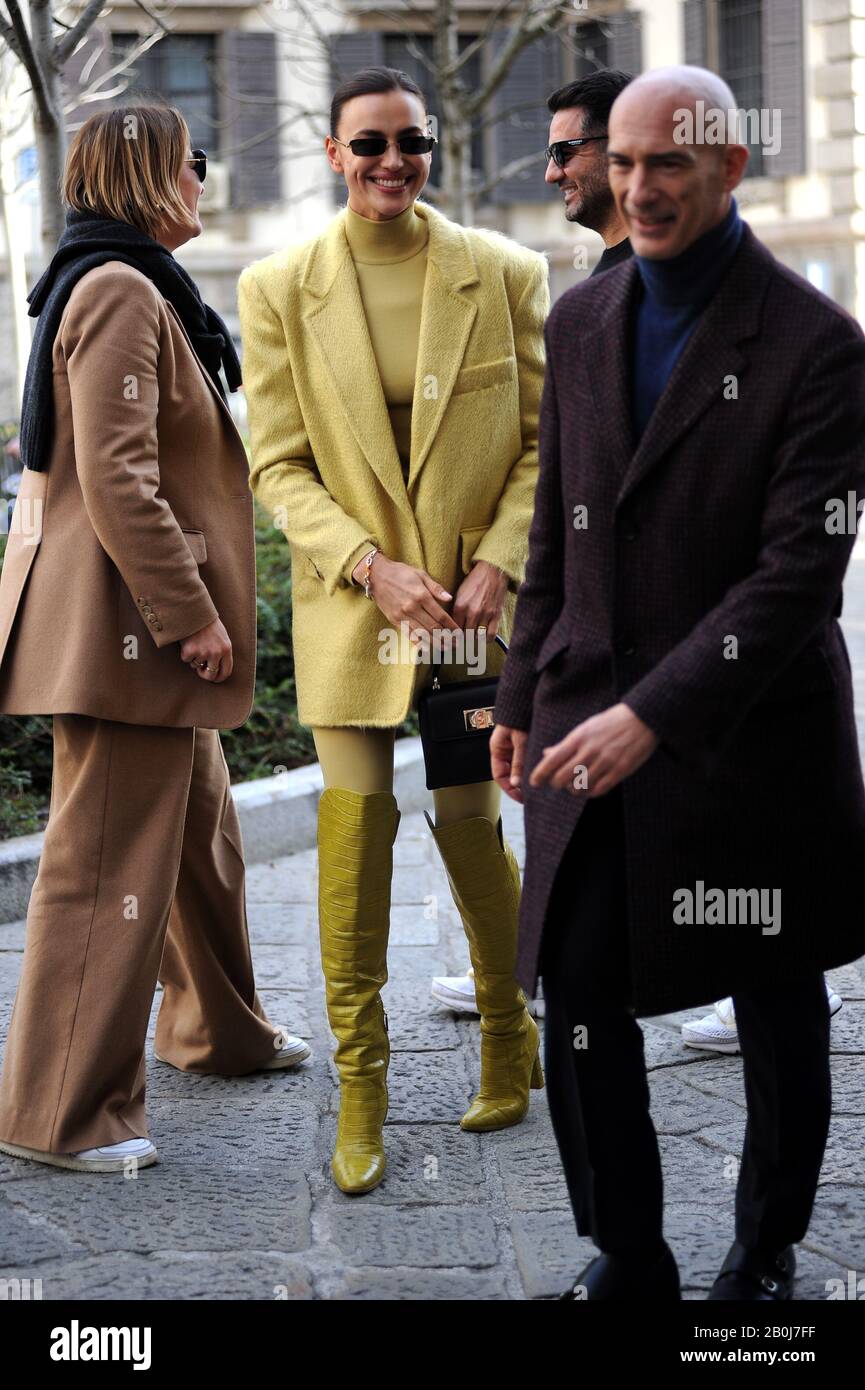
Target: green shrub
x=270, y=740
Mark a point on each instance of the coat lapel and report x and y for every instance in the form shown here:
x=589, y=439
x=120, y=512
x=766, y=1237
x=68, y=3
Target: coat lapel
x=337, y=321
x=447, y=317
x=223, y=406
x=606, y=356
x=710, y=355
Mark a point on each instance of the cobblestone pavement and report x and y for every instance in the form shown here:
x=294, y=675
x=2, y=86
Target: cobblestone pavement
x=242, y=1206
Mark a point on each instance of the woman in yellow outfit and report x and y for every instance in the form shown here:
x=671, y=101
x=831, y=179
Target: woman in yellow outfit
x=393, y=369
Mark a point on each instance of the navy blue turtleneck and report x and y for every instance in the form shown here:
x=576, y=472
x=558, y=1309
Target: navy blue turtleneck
x=674, y=294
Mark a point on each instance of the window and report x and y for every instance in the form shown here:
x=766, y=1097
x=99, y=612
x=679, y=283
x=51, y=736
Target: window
x=591, y=49
x=179, y=68
x=398, y=55
x=740, y=34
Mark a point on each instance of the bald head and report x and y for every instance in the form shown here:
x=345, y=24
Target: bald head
x=674, y=157
x=680, y=88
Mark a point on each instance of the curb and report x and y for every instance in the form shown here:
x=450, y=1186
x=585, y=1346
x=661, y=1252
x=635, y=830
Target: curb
x=278, y=816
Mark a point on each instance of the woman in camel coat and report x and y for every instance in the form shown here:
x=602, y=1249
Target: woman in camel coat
x=393, y=369
x=127, y=611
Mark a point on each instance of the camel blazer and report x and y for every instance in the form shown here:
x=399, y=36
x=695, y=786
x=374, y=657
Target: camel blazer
x=139, y=532
x=324, y=459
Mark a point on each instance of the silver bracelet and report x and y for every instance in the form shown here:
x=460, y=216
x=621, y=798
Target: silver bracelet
x=366, y=574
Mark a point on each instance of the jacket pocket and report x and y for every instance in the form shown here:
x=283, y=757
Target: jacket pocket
x=557, y=640
x=197, y=544
x=486, y=374
x=809, y=673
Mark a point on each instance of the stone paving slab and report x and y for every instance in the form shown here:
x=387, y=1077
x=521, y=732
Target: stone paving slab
x=242, y=1204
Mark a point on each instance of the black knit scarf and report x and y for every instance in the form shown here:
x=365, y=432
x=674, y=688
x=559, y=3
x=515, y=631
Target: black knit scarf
x=88, y=241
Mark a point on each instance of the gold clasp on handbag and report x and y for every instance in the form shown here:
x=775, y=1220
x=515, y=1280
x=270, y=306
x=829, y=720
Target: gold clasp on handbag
x=479, y=718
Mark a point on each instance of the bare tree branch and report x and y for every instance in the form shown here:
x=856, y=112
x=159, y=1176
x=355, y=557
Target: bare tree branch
x=94, y=91
x=483, y=38
x=69, y=42
x=541, y=21
x=509, y=171
x=496, y=117
x=30, y=61
x=152, y=16
x=11, y=38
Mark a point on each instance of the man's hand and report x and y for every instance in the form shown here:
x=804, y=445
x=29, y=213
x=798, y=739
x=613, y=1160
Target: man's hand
x=481, y=597
x=405, y=594
x=598, y=754
x=208, y=652
x=507, y=755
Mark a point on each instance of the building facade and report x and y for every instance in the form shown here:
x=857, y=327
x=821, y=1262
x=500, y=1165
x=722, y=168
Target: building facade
x=255, y=84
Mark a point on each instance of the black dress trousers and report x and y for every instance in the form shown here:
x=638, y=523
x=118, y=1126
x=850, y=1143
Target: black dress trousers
x=597, y=1085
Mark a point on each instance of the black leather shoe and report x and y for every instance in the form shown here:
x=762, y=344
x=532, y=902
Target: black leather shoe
x=611, y=1277
x=751, y=1276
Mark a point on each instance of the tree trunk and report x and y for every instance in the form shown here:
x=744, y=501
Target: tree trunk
x=17, y=272
x=50, y=129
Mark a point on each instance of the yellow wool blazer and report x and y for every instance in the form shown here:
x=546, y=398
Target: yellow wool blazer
x=324, y=459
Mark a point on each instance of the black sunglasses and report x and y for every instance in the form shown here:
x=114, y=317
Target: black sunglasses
x=368, y=145
x=199, y=164
x=563, y=150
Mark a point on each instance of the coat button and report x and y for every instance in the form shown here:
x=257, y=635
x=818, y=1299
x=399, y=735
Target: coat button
x=631, y=532
x=630, y=650
x=158, y=627
x=151, y=619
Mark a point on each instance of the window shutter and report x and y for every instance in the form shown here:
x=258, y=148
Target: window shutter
x=784, y=83
x=349, y=53
x=353, y=51
x=535, y=73
x=250, y=65
x=626, y=41
x=696, y=47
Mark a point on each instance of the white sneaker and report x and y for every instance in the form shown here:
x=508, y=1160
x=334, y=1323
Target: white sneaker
x=108, y=1158
x=458, y=993
x=288, y=1052
x=717, y=1032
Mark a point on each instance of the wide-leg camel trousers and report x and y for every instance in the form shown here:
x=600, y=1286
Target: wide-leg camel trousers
x=141, y=878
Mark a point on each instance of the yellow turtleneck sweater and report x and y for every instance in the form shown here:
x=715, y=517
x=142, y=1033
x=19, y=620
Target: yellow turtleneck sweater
x=390, y=260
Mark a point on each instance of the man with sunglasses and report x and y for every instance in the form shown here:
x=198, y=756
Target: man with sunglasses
x=577, y=159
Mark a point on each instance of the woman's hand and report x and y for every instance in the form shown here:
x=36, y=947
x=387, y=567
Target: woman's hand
x=405, y=594
x=481, y=598
x=208, y=652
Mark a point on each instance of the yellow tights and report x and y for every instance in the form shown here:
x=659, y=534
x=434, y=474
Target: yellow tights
x=361, y=760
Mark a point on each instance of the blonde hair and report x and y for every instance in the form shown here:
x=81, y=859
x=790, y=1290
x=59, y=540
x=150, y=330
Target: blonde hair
x=126, y=163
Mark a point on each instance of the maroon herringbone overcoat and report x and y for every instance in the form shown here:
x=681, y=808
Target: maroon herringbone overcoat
x=702, y=587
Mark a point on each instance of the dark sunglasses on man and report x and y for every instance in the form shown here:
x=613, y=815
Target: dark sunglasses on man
x=199, y=164
x=563, y=150
x=366, y=146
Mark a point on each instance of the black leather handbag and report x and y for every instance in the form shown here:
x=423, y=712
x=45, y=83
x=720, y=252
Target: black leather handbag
x=456, y=725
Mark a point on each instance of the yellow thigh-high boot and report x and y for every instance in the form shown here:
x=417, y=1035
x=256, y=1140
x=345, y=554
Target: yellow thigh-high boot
x=484, y=879
x=356, y=832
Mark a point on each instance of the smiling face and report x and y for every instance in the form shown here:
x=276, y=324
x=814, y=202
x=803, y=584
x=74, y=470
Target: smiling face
x=380, y=186
x=583, y=182
x=668, y=194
